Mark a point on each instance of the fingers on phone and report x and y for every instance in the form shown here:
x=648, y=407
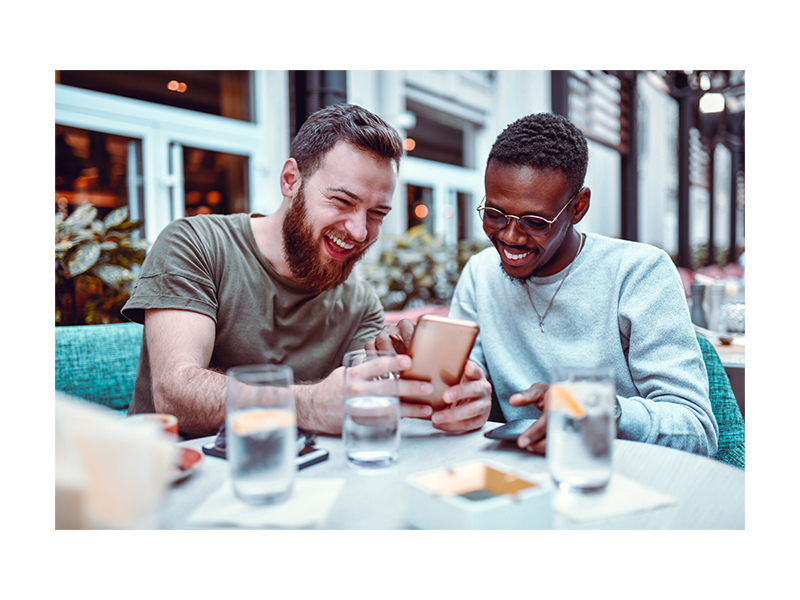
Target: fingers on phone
x=415, y=410
x=463, y=412
x=533, y=438
x=398, y=345
x=405, y=330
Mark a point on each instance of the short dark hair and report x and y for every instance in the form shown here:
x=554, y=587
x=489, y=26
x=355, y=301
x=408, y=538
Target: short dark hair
x=348, y=122
x=544, y=141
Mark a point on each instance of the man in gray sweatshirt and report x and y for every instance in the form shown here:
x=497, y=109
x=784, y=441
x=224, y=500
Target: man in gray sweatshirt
x=547, y=294
x=558, y=296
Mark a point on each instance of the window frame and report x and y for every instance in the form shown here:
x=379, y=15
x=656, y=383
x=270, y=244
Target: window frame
x=163, y=128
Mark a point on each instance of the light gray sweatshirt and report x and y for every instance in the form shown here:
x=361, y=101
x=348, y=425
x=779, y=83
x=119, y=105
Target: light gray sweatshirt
x=623, y=304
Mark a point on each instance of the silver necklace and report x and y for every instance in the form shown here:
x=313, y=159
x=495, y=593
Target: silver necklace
x=542, y=317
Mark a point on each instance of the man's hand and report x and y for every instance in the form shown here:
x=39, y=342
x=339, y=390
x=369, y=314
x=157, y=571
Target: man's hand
x=320, y=405
x=533, y=439
x=470, y=400
x=394, y=337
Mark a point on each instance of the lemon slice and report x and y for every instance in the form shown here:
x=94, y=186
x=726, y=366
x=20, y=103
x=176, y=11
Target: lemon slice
x=265, y=419
x=560, y=398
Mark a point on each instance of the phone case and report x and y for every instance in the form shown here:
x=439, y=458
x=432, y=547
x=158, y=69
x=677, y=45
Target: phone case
x=510, y=431
x=439, y=351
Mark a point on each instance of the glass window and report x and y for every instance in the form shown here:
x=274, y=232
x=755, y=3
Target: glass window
x=436, y=141
x=223, y=93
x=214, y=182
x=102, y=169
x=435, y=136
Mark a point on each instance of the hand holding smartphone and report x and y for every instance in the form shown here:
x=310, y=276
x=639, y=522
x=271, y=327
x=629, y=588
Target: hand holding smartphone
x=439, y=352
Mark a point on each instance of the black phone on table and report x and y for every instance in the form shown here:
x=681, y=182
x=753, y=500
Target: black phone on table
x=307, y=453
x=510, y=431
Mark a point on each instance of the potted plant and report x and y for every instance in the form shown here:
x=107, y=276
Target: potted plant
x=96, y=265
x=418, y=269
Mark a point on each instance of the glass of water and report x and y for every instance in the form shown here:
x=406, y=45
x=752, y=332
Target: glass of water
x=261, y=432
x=371, y=420
x=581, y=427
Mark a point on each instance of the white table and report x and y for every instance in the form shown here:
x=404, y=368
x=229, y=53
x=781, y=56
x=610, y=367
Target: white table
x=710, y=494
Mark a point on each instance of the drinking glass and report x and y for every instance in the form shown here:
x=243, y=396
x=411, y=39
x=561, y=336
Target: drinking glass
x=261, y=432
x=581, y=427
x=371, y=421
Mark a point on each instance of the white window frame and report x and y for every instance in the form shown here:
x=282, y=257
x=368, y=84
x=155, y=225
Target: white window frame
x=164, y=129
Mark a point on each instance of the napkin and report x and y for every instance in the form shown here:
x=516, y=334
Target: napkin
x=621, y=496
x=308, y=506
x=109, y=474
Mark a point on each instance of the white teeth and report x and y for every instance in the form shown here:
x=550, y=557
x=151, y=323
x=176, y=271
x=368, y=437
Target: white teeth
x=515, y=256
x=340, y=243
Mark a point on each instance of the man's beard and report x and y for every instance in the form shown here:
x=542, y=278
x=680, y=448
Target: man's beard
x=518, y=280
x=301, y=248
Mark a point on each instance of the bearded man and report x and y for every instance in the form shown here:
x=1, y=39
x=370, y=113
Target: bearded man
x=218, y=291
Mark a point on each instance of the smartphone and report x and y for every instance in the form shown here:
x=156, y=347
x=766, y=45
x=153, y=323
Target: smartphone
x=307, y=453
x=439, y=351
x=510, y=431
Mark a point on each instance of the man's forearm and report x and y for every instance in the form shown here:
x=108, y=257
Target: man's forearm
x=319, y=405
x=196, y=396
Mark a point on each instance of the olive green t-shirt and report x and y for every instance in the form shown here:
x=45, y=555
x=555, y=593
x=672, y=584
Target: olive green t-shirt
x=211, y=264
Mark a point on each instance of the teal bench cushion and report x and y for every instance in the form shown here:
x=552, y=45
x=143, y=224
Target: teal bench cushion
x=730, y=447
x=99, y=362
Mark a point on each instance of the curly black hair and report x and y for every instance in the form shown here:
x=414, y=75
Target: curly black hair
x=544, y=140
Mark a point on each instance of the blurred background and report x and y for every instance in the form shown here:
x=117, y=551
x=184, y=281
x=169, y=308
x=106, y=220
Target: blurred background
x=138, y=149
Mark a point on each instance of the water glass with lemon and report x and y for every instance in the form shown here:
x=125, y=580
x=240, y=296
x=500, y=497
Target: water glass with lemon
x=581, y=427
x=261, y=427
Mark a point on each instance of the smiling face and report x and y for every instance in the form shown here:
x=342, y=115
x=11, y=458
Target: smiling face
x=336, y=214
x=522, y=190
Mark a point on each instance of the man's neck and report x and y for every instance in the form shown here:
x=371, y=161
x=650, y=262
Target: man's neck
x=268, y=232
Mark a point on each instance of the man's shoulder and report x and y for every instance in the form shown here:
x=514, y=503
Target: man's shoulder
x=204, y=231
x=483, y=259
x=209, y=223
x=627, y=249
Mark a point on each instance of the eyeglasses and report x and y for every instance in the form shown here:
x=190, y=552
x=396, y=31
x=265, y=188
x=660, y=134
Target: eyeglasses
x=535, y=226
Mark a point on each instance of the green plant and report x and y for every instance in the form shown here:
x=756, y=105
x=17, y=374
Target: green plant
x=417, y=269
x=699, y=257
x=95, y=262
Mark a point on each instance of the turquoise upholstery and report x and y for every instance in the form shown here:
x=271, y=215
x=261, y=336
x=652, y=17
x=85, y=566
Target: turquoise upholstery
x=730, y=448
x=99, y=362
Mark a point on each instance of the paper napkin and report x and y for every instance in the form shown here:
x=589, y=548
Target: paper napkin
x=621, y=496
x=308, y=506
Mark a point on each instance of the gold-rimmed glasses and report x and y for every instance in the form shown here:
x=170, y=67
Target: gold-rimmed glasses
x=533, y=225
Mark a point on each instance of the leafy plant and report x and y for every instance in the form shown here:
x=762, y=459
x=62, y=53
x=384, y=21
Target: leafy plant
x=95, y=265
x=418, y=269
x=699, y=257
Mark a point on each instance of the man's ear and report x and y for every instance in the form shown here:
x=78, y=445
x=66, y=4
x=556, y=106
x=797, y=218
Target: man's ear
x=581, y=205
x=290, y=178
